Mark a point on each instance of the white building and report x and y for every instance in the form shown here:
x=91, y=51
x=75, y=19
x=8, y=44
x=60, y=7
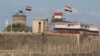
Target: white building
x=75, y=28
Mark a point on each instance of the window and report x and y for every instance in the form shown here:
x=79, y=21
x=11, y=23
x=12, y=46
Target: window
x=68, y=25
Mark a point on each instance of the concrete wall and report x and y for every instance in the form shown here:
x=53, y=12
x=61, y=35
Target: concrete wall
x=29, y=44
x=67, y=25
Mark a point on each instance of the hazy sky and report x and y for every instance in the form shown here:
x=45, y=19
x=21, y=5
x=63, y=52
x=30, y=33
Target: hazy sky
x=85, y=11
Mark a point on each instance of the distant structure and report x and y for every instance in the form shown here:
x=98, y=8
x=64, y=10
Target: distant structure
x=57, y=16
x=40, y=25
x=6, y=23
x=67, y=27
x=19, y=17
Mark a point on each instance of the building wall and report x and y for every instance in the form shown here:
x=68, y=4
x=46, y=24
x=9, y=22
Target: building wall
x=38, y=26
x=76, y=28
x=19, y=19
x=93, y=28
x=67, y=25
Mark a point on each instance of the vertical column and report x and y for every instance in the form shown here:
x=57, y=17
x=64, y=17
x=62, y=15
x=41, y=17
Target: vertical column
x=78, y=39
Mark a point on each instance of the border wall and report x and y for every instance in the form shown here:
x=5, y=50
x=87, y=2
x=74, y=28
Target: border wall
x=26, y=44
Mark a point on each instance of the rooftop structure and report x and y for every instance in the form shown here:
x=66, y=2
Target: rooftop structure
x=19, y=17
x=57, y=16
x=75, y=28
x=39, y=25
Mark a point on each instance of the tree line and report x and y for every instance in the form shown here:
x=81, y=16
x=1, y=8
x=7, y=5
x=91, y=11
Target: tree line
x=18, y=27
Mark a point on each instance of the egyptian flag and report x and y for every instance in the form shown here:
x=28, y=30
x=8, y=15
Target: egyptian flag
x=68, y=8
x=28, y=8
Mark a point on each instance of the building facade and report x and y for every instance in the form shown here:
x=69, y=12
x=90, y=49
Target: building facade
x=75, y=28
x=39, y=25
x=19, y=17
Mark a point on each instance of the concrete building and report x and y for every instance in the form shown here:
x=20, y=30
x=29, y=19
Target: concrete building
x=39, y=25
x=19, y=17
x=75, y=28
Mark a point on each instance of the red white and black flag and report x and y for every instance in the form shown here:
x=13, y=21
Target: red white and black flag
x=28, y=8
x=68, y=8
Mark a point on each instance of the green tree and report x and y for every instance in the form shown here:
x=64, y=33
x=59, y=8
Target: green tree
x=18, y=27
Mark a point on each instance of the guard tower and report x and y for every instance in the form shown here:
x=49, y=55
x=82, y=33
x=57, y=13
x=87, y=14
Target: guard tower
x=19, y=17
x=39, y=25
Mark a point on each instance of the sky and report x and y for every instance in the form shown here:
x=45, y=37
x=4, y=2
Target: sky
x=84, y=11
